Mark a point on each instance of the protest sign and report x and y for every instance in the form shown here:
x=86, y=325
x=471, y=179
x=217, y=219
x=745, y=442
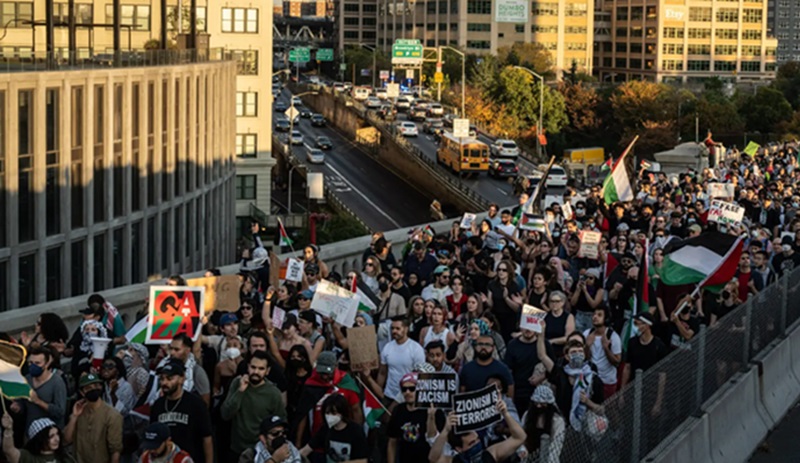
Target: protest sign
x=721, y=190
x=566, y=211
x=532, y=222
x=550, y=199
x=476, y=410
x=294, y=270
x=278, y=316
x=725, y=213
x=789, y=234
x=466, y=221
x=437, y=389
x=174, y=310
x=751, y=149
x=222, y=292
x=532, y=318
x=363, y=345
x=590, y=244
x=335, y=302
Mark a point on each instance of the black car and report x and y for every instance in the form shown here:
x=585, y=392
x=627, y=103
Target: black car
x=503, y=168
x=281, y=106
x=432, y=124
x=318, y=120
x=387, y=112
x=324, y=143
x=305, y=113
x=282, y=125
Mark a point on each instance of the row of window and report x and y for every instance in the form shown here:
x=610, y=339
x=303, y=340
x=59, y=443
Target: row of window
x=786, y=14
x=636, y=13
x=786, y=36
x=442, y=7
x=354, y=8
x=703, y=33
x=704, y=14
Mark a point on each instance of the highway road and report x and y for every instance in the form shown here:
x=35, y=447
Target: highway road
x=381, y=199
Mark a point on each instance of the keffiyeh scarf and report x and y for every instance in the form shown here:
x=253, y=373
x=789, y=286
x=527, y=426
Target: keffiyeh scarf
x=583, y=383
x=86, y=338
x=188, y=379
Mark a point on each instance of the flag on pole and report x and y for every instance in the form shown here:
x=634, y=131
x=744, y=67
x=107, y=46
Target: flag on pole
x=367, y=301
x=12, y=384
x=530, y=204
x=284, y=237
x=618, y=186
x=640, y=301
x=138, y=332
x=612, y=262
x=606, y=167
x=751, y=149
x=373, y=410
x=709, y=260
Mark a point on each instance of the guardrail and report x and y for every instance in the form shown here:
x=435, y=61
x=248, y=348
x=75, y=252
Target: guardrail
x=74, y=61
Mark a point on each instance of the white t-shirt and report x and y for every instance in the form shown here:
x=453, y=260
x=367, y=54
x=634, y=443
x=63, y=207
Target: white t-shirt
x=400, y=359
x=607, y=371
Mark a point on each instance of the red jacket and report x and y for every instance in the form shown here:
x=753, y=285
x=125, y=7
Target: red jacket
x=176, y=456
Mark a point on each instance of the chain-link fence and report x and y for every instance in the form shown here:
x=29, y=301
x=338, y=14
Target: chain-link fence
x=644, y=414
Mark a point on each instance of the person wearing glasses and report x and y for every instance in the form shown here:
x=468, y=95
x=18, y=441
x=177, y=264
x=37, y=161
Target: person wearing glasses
x=406, y=430
x=440, y=288
x=272, y=445
x=372, y=268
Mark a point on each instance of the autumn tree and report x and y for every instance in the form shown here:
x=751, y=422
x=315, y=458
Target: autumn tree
x=519, y=94
x=580, y=102
x=530, y=55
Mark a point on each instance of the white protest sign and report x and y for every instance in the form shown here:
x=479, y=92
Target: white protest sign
x=550, y=199
x=566, y=211
x=476, y=410
x=294, y=270
x=531, y=318
x=466, y=221
x=590, y=243
x=721, y=190
x=335, y=302
x=278, y=316
x=725, y=213
x=789, y=234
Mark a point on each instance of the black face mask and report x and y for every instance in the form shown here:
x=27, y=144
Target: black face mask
x=383, y=286
x=93, y=395
x=726, y=294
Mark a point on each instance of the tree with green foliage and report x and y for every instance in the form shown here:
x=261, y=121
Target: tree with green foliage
x=787, y=81
x=484, y=74
x=530, y=55
x=764, y=111
x=519, y=92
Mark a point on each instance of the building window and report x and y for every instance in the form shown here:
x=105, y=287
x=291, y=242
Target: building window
x=673, y=33
x=116, y=252
x=672, y=48
x=751, y=50
x=351, y=7
x=245, y=187
x=751, y=66
x=699, y=14
x=52, y=168
x=695, y=33
x=652, y=12
x=442, y=26
x=751, y=34
x=698, y=49
x=727, y=15
x=575, y=9
x=724, y=65
x=539, y=29
x=78, y=267
x=476, y=6
x=99, y=261
x=351, y=34
x=519, y=28
x=636, y=31
x=247, y=62
x=368, y=8
x=636, y=63
x=349, y=21
x=136, y=247
x=752, y=15
x=247, y=104
x=636, y=47
x=727, y=34
x=246, y=145
x=574, y=30
x=622, y=32
x=672, y=65
x=622, y=47
x=98, y=178
x=637, y=13
x=27, y=280
x=54, y=272
x=694, y=65
x=83, y=13
x=240, y=20
x=26, y=192
x=137, y=16
x=544, y=9
x=622, y=13
x=725, y=49
x=14, y=13
x=172, y=18
x=620, y=63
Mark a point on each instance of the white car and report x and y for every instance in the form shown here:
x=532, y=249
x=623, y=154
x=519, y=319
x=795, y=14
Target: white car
x=505, y=148
x=296, y=138
x=404, y=102
x=435, y=109
x=373, y=102
x=381, y=93
x=338, y=87
x=296, y=101
x=361, y=93
x=557, y=177
x=408, y=129
x=315, y=156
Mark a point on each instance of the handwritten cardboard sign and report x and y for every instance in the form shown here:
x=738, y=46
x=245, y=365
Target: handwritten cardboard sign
x=174, y=310
x=531, y=318
x=476, y=410
x=590, y=244
x=222, y=292
x=278, y=316
x=437, y=389
x=294, y=270
x=363, y=346
x=725, y=213
x=335, y=302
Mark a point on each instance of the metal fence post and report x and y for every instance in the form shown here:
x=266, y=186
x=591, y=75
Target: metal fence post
x=784, y=284
x=637, y=415
x=748, y=324
x=701, y=369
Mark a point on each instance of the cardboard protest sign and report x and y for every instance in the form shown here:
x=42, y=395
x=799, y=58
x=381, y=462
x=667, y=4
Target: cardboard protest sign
x=721, y=190
x=532, y=318
x=467, y=220
x=476, y=410
x=590, y=244
x=294, y=270
x=532, y=222
x=363, y=346
x=335, y=302
x=566, y=211
x=222, y=292
x=437, y=389
x=725, y=213
x=174, y=310
x=278, y=316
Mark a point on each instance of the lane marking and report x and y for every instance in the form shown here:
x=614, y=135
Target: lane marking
x=501, y=191
x=369, y=201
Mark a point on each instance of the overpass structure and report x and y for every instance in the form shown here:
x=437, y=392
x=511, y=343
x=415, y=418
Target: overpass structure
x=313, y=32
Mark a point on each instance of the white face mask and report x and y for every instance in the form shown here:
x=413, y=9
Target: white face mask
x=232, y=352
x=332, y=420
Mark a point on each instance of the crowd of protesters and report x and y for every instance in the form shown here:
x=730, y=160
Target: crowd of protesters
x=445, y=301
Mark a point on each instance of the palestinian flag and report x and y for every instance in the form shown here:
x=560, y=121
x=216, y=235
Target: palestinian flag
x=428, y=230
x=532, y=222
x=528, y=207
x=373, y=410
x=367, y=301
x=709, y=260
x=284, y=237
x=138, y=332
x=12, y=384
x=640, y=302
x=618, y=185
x=612, y=262
x=606, y=167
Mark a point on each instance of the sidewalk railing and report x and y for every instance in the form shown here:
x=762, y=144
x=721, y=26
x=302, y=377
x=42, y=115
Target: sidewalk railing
x=73, y=61
x=644, y=414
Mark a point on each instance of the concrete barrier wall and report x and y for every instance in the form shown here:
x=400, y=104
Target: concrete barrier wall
x=692, y=437
x=778, y=384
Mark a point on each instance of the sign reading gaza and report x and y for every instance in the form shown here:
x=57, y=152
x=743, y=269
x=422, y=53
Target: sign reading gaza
x=174, y=310
x=436, y=389
x=476, y=410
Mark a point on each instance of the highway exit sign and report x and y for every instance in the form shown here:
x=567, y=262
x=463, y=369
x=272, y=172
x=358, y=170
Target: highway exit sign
x=405, y=51
x=300, y=55
x=325, y=54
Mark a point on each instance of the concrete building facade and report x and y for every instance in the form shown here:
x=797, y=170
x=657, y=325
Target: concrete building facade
x=109, y=177
x=784, y=20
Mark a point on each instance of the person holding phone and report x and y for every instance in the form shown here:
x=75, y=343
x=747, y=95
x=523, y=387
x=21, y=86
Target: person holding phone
x=272, y=445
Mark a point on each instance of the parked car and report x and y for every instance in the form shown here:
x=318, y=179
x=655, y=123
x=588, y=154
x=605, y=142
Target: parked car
x=315, y=156
x=381, y=93
x=374, y=102
x=503, y=168
x=432, y=124
x=324, y=143
x=505, y=148
x=282, y=125
x=435, y=109
x=408, y=129
x=318, y=120
x=305, y=113
x=296, y=138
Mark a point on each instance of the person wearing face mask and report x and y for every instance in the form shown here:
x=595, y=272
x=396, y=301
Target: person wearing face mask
x=159, y=448
x=226, y=369
x=644, y=349
x=787, y=260
x=117, y=392
x=272, y=446
x=48, y=390
x=391, y=304
x=340, y=438
x=543, y=417
x=94, y=428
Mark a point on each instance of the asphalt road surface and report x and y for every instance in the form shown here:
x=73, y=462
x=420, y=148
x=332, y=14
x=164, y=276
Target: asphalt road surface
x=782, y=445
x=381, y=199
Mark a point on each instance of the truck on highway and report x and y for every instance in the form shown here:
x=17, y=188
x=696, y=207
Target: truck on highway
x=584, y=163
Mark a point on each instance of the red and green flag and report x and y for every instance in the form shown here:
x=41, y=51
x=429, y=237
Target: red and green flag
x=373, y=409
x=284, y=237
x=709, y=260
x=618, y=186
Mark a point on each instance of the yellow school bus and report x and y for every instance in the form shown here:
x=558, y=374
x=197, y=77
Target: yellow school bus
x=463, y=154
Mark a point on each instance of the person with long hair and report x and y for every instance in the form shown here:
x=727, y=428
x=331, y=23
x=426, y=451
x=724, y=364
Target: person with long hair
x=543, y=417
x=559, y=280
x=505, y=298
x=474, y=310
x=656, y=266
x=587, y=295
x=247, y=320
x=438, y=330
x=44, y=442
x=340, y=438
x=311, y=256
x=417, y=319
x=288, y=336
x=537, y=295
x=298, y=370
x=372, y=268
x=50, y=331
x=457, y=300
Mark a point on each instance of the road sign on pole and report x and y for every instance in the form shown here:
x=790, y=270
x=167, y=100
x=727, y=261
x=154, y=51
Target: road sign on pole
x=407, y=52
x=325, y=54
x=392, y=90
x=461, y=128
x=300, y=55
x=438, y=77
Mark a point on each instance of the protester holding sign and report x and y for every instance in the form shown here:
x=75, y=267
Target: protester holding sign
x=406, y=430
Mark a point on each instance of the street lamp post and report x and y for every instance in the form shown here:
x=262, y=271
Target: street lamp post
x=539, y=125
x=374, y=60
x=463, y=74
x=289, y=146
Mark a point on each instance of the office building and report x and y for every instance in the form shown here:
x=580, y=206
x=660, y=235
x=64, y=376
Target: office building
x=683, y=41
x=356, y=22
x=784, y=20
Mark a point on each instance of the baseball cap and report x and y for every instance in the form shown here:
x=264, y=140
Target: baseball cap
x=89, y=379
x=228, y=318
x=86, y=311
x=441, y=269
x=172, y=367
x=326, y=362
x=271, y=422
x=155, y=435
x=695, y=228
x=409, y=378
x=307, y=293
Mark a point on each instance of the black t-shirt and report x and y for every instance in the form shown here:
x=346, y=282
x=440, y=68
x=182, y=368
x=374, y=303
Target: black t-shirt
x=348, y=444
x=188, y=420
x=643, y=356
x=507, y=317
x=784, y=264
x=676, y=341
x=521, y=359
x=409, y=428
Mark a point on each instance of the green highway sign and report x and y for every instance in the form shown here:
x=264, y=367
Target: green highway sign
x=407, y=52
x=299, y=55
x=325, y=54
